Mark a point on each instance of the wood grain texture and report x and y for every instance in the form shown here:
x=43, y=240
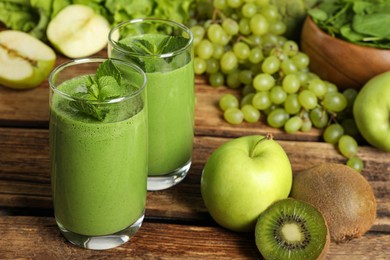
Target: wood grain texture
x=39, y=238
x=25, y=179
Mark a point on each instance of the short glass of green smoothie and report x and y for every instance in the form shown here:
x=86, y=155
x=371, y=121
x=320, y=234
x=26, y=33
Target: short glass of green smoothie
x=163, y=49
x=98, y=150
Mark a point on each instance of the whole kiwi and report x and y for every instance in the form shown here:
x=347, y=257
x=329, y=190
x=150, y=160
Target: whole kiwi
x=341, y=194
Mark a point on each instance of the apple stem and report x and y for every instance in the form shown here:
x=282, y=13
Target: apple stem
x=269, y=136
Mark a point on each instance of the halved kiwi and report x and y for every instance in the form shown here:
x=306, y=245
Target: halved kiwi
x=292, y=229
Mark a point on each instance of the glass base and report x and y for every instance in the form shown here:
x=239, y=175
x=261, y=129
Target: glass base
x=161, y=182
x=102, y=242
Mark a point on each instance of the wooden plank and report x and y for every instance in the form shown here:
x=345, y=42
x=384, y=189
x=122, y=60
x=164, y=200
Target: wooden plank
x=39, y=238
x=25, y=180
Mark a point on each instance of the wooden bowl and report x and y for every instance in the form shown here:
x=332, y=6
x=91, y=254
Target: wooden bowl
x=343, y=63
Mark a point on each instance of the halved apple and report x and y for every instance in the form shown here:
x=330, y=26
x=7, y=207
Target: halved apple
x=77, y=31
x=25, y=62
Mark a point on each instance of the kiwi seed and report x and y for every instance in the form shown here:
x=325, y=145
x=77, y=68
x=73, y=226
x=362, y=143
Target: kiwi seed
x=341, y=194
x=292, y=229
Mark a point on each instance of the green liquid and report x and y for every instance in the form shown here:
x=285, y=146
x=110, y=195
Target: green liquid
x=98, y=169
x=171, y=104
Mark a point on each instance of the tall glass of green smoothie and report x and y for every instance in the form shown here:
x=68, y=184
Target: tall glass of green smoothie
x=163, y=49
x=98, y=150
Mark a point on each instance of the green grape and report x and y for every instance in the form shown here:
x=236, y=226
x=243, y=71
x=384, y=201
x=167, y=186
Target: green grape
x=198, y=33
x=291, y=83
x=241, y=50
x=270, y=65
x=348, y=146
x=230, y=26
x=350, y=128
x=218, y=51
x=263, y=82
x=277, y=27
x=258, y=24
x=270, y=12
x=290, y=48
x=234, y=3
x=277, y=118
x=278, y=52
x=293, y=124
x=334, y=102
x=255, y=40
x=233, y=116
x=247, y=99
x=332, y=133
x=355, y=163
x=215, y=33
x=248, y=89
x=291, y=104
x=228, y=61
x=220, y=4
x=270, y=109
x=225, y=39
x=251, y=114
x=301, y=60
x=200, y=66
x=248, y=10
x=212, y=66
x=204, y=49
x=261, y=100
x=318, y=87
x=278, y=95
x=331, y=87
x=302, y=76
x=256, y=55
x=288, y=66
x=246, y=77
x=216, y=79
x=262, y=3
x=233, y=79
x=350, y=95
x=306, y=124
x=307, y=99
x=319, y=117
x=244, y=26
x=228, y=101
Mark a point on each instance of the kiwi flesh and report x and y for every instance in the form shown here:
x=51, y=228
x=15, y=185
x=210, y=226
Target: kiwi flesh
x=341, y=194
x=292, y=229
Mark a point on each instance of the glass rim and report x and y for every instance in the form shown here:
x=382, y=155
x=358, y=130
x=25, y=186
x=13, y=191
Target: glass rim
x=114, y=44
x=70, y=63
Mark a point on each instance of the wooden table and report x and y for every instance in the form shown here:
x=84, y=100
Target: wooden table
x=177, y=224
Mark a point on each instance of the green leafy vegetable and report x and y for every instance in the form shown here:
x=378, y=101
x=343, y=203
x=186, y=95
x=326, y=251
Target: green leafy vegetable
x=103, y=86
x=33, y=16
x=364, y=22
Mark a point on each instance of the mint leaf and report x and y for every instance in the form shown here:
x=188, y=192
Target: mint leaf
x=109, y=87
x=171, y=44
x=90, y=109
x=108, y=68
x=106, y=84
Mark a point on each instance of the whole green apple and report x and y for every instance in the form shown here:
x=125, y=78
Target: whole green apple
x=242, y=178
x=371, y=111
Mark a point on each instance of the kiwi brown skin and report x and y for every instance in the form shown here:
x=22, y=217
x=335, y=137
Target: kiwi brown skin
x=342, y=195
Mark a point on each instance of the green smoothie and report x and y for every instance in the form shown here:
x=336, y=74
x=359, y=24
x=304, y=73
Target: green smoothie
x=171, y=103
x=99, y=168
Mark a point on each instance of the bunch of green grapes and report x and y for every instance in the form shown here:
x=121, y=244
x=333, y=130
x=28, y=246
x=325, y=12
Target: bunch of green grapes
x=242, y=46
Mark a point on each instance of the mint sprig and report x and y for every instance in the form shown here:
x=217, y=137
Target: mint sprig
x=143, y=47
x=104, y=85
